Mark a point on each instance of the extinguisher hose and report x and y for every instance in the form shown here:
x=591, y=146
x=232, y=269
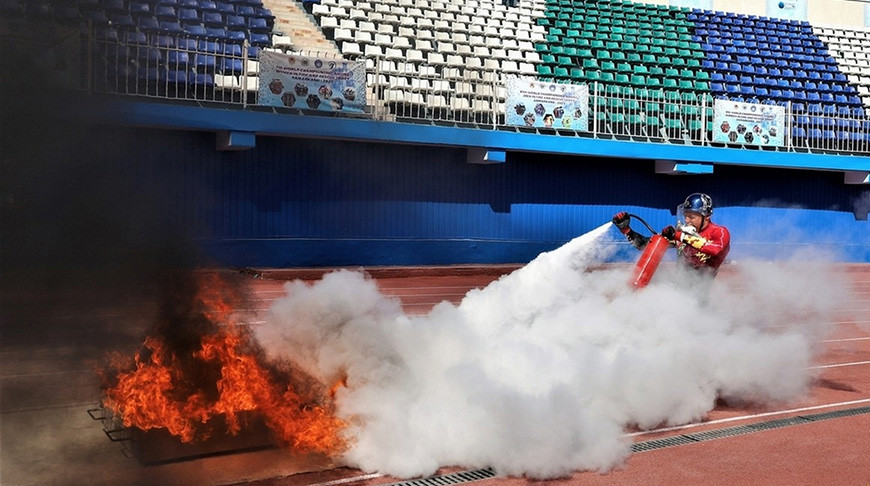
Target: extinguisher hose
x=650, y=228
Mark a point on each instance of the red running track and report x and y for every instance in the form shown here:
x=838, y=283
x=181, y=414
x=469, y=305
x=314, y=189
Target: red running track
x=830, y=451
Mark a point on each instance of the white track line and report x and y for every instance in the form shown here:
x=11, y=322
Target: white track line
x=839, y=365
x=349, y=480
x=846, y=340
x=748, y=417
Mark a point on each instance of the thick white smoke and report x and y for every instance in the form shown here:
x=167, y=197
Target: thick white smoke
x=542, y=372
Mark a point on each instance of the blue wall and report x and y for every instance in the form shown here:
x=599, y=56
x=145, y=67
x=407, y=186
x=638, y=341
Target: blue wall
x=292, y=202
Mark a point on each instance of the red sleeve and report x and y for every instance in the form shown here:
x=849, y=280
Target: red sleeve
x=718, y=240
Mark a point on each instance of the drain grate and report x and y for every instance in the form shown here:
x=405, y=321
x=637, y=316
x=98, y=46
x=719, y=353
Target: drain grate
x=448, y=479
x=743, y=429
x=488, y=473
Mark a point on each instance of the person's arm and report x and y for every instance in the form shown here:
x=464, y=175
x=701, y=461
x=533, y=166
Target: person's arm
x=711, y=244
x=621, y=221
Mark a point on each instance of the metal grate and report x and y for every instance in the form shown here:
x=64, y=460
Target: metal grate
x=447, y=479
x=743, y=429
x=677, y=440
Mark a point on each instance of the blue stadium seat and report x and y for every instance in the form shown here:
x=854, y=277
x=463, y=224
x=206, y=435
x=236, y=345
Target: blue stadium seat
x=177, y=58
x=122, y=20
x=225, y=8
x=172, y=27
x=258, y=24
x=216, y=33
x=212, y=19
x=205, y=63
x=166, y=12
x=188, y=15
x=148, y=24
x=260, y=39
x=206, y=6
x=230, y=66
x=235, y=21
x=194, y=30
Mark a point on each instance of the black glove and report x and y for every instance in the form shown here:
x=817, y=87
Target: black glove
x=621, y=220
x=670, y=233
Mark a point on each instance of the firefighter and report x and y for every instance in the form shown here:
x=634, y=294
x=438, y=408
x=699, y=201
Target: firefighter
x=701, y=244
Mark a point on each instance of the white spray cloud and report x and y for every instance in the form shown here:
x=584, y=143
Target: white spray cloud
x=541, y=372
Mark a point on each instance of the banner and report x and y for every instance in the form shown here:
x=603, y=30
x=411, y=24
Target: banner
x=312, y=83
x=748, y=123
x=543, y=104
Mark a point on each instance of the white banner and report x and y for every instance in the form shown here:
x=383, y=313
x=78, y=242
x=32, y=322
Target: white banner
x=748, y=123
x=312, y=83
x=544, y=104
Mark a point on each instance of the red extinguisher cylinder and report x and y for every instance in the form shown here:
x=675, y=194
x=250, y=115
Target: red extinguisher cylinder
x=649, y=261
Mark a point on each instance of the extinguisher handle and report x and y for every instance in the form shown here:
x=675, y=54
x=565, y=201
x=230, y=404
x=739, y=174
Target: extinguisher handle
x=650, y=228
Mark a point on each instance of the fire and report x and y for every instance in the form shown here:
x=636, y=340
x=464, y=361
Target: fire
x=224, y=376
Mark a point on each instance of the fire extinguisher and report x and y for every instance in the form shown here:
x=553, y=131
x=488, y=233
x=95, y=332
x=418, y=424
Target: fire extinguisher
x=650, y=258
x=649, y=261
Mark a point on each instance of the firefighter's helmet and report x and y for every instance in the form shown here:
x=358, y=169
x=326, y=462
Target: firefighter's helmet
x=698, y=203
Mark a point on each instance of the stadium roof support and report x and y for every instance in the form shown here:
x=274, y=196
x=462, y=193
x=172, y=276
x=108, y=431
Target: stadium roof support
x=856, y=177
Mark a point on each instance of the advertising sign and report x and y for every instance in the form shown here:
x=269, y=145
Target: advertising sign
x=312, y=83
x=748, y=123
x=545, y=104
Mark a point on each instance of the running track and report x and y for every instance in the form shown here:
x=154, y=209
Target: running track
x=47, y=383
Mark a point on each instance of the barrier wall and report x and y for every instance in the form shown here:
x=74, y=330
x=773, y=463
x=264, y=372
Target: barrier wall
x=132, y=193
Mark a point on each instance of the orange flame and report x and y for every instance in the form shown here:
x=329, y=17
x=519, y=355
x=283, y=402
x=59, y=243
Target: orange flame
x=159, y=393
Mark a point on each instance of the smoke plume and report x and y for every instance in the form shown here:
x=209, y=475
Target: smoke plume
x=542, y=372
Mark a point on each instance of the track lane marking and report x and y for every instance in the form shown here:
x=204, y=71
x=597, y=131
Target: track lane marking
x=747, y=417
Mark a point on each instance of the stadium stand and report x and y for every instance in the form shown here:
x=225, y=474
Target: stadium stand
x=653, y=71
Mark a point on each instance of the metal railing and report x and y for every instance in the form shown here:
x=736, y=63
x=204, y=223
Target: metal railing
x=417, y=92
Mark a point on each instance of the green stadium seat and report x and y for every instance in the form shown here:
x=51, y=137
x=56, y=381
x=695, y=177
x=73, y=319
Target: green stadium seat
x=690, y=111
x=686, y=84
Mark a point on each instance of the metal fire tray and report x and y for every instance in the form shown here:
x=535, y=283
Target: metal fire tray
x=158, y=446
